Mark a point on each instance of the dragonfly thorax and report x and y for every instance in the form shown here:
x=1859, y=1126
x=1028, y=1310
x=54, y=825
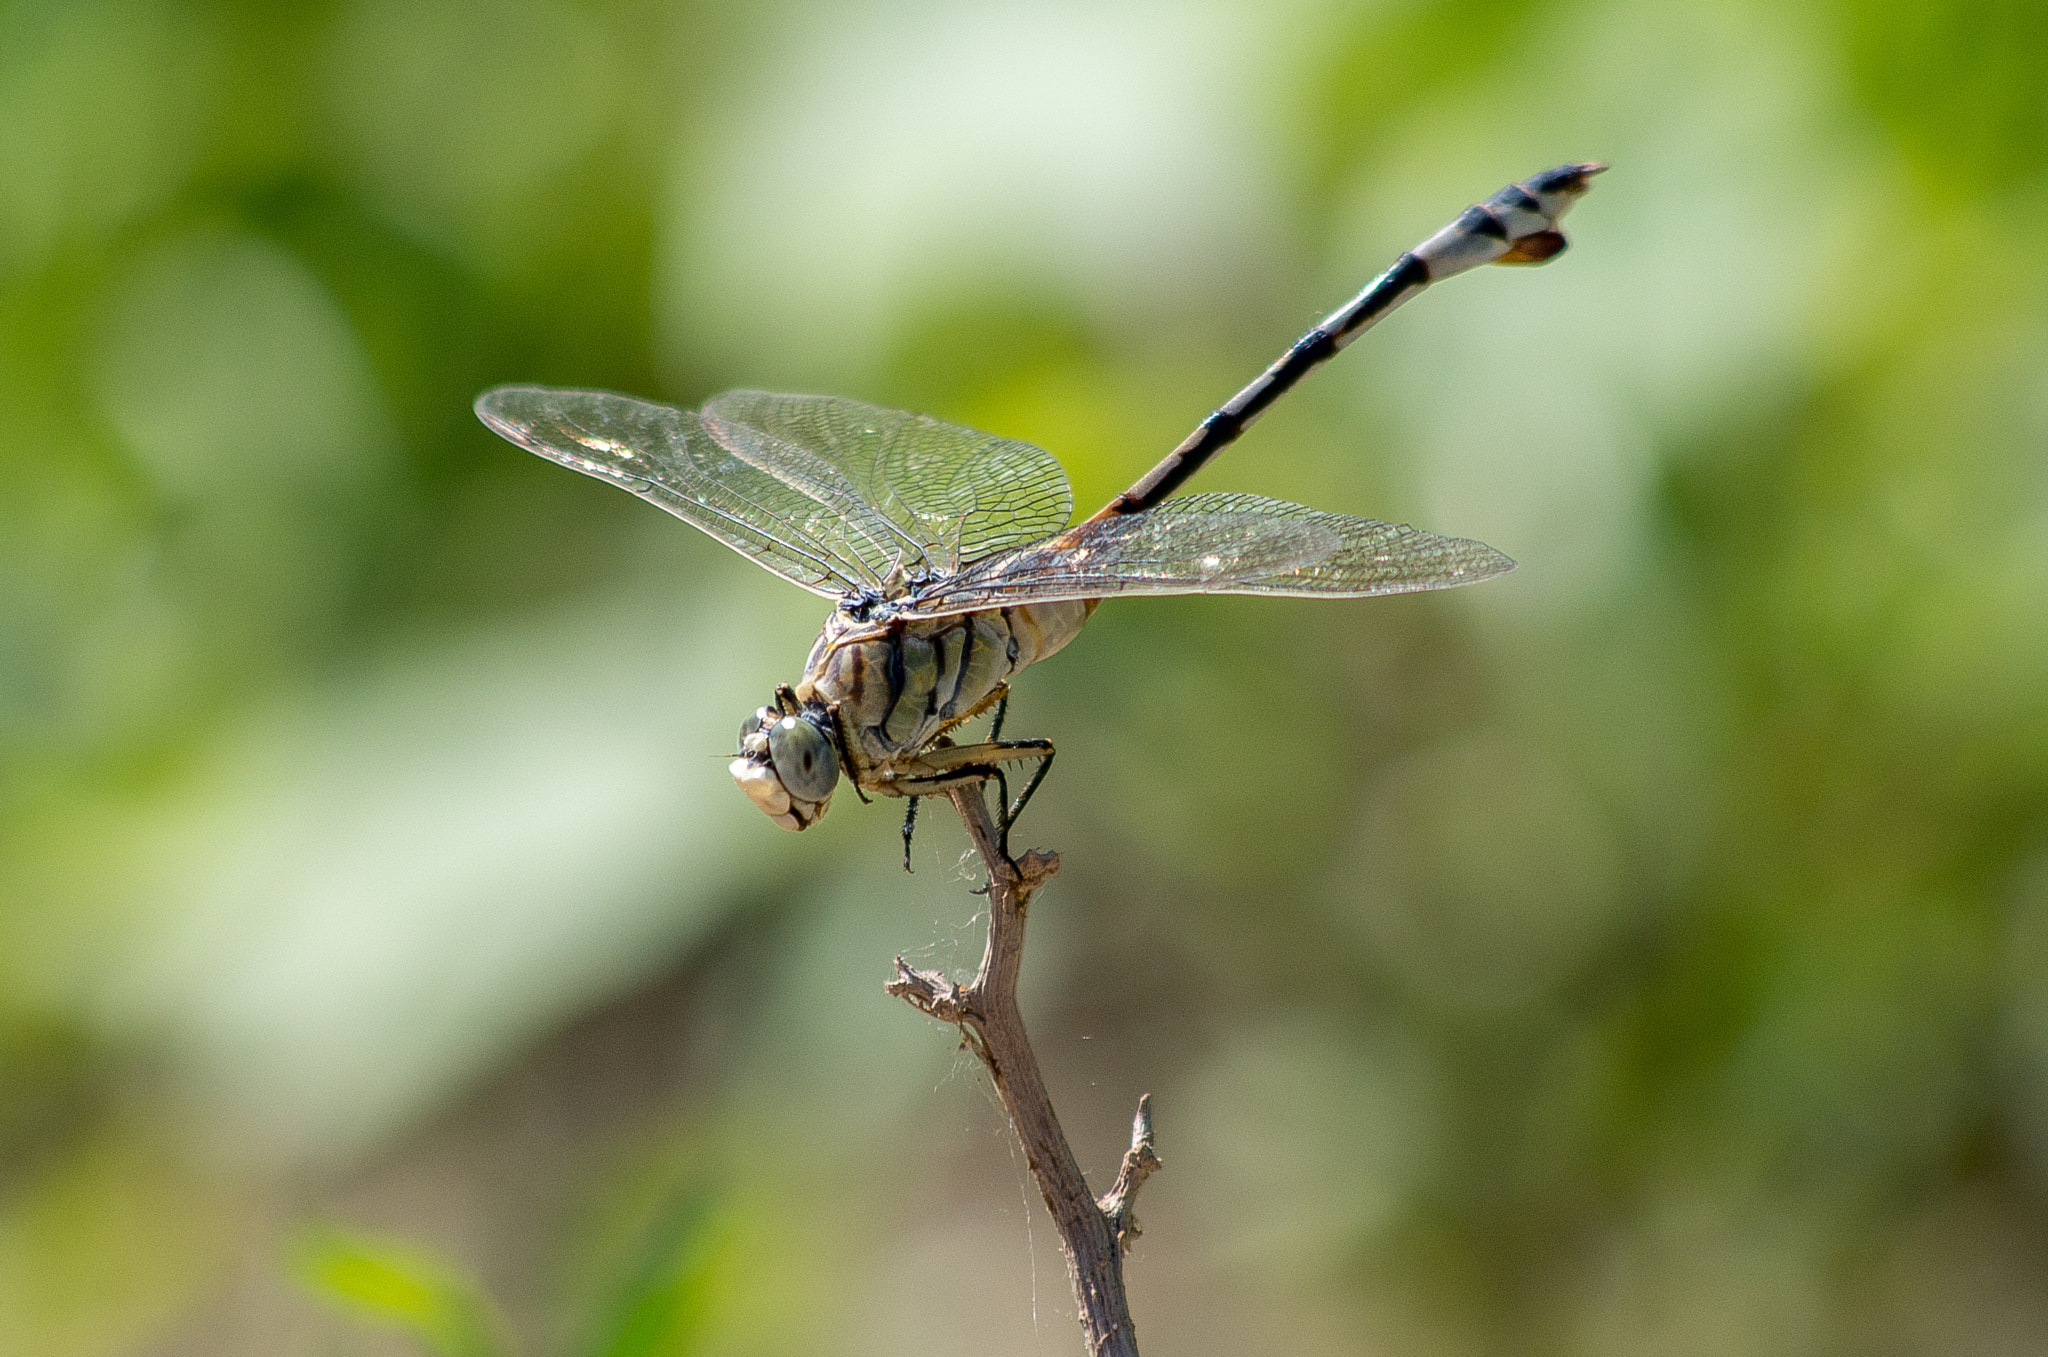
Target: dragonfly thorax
x=899, y=685
x=877, y=695
x=871, y=607
x=897, y=594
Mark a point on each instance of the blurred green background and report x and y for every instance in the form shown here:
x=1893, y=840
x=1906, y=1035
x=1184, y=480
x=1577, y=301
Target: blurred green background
x=1647, y=952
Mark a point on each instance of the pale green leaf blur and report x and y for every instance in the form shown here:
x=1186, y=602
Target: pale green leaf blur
x=395, y=1285
x=1646, y=952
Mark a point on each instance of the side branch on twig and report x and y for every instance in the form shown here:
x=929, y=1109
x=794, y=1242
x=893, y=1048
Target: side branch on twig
x=1093, y=1233
x=1140, y=1162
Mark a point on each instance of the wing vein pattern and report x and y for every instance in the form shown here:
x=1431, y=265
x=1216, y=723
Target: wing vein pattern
x=848, y=499
x=834, y=495
x=1218, y=544
x=943, y=495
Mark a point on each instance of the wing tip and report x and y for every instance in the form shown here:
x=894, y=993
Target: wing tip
x=1486, y=563
x=486, y=407
x=493, y=407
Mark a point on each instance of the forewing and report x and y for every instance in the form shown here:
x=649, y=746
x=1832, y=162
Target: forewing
x=1219, y=544
x=956, y=493
x=802, y=530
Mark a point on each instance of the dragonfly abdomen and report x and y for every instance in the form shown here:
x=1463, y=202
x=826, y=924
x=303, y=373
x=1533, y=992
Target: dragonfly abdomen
x=900, y=687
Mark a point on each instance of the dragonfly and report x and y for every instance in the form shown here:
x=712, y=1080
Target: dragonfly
x=948, y=552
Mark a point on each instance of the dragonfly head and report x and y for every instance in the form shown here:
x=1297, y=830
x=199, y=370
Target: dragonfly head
x=787, y=765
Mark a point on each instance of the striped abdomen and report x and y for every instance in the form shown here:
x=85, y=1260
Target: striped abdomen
x=898, y=689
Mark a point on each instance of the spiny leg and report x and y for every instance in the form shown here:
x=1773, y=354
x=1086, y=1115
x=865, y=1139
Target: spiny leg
x=967, y=765
x=1007, y=811
x=1011, y=810
x=941, y=768
x=909, y=828
x=848, y=750
x=995, y=736
x=1017, y=809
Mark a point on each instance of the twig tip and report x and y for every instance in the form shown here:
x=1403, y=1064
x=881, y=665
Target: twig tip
x=1140, y=1162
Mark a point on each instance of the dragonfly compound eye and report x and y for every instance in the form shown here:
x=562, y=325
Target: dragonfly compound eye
x=803, y=759
x=754, y=732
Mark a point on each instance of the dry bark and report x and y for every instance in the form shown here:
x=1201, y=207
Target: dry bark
x=1093, y=1233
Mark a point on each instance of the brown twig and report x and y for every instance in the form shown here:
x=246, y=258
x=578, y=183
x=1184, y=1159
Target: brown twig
x=1093, y=1234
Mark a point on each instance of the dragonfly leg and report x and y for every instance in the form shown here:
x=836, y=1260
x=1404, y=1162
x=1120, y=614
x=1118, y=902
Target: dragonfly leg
x=909, y=828
x=945, y=767
x=942, y=770
x=848, y=751
x=995, y=736
x=1024, y=799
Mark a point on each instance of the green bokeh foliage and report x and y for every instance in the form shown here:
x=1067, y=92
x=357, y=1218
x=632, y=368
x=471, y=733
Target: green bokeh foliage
x=1666, y=945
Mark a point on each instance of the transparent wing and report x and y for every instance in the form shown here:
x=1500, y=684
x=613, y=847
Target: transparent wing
x=796, y=515
x=953, y=493
x=1219, y=544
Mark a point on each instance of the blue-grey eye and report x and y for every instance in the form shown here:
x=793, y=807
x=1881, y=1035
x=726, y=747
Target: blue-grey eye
x=753, y=722
x=803, y=759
